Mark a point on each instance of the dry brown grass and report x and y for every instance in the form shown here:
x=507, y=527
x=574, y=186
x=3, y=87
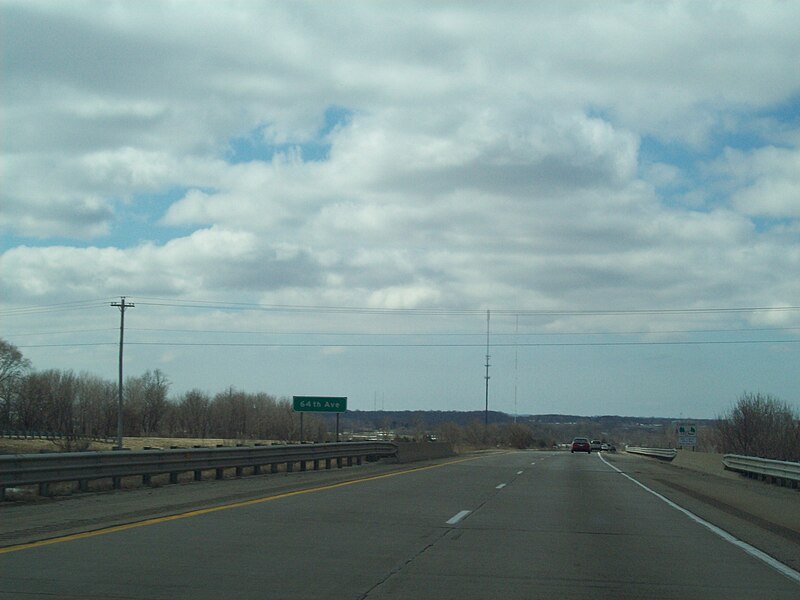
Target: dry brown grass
x=14, y=446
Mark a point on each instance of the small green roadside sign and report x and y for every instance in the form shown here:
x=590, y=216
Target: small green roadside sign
x=319, y=404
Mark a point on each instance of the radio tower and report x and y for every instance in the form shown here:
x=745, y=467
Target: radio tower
x=486, y=410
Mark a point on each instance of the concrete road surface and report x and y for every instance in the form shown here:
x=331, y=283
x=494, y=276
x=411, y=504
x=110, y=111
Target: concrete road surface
x=502, y=525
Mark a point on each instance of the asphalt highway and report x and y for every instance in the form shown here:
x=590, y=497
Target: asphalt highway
x=501, y=525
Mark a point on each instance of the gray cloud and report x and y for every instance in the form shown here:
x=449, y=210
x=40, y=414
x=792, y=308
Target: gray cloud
x=492, y=156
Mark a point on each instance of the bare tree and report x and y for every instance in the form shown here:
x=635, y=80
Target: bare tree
x=520, y=436
x=760, y=425
x=194, y=414
x=45, y=401
x=156, y=386
x=13, y=367
x=96, y=406
x=476, y=434
x=450, y=433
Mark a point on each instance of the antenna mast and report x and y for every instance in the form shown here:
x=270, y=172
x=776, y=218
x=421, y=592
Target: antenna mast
x=486, y=410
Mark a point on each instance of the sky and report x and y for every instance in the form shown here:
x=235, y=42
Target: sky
x=364, y=199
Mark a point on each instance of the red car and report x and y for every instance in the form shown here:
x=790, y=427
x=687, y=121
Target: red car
x=581, y=444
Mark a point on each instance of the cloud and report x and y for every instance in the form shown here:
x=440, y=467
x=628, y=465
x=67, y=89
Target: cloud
x=767, y=181
x=472, y=167
x=448, y=157
x=204, y=263
x=82, y=217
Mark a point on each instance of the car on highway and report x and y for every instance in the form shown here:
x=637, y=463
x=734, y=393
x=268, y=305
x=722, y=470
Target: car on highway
x=597, y=445
x=581, y=444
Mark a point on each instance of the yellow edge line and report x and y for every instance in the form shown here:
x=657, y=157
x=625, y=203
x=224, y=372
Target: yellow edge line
x=205, y=511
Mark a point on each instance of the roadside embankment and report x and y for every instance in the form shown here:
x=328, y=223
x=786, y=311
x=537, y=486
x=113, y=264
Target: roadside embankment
x=703, y=462
x=414, y=451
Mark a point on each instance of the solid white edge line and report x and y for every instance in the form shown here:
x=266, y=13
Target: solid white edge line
x=458, y=517
x=751, y=550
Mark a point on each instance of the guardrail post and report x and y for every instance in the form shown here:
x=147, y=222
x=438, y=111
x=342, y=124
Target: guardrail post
x=173, y=477
x=360, y=460
x=220, y=473
x=239, y=471
x=316, y=464
x=273, y=468
x=198, y=475
x=289, y=467
x=83, y=485
x=327, y=463
x=116, y=482
x=257, y=470
x=147, y=479
x=302, y=465
x=339, y=462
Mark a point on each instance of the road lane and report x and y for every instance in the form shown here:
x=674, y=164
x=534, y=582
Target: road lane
x=578, y=529
x=567, y=526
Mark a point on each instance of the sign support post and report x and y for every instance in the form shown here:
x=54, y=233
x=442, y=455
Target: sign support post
x=328, y=404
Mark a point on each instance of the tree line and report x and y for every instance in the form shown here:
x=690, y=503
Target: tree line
x=85, y=405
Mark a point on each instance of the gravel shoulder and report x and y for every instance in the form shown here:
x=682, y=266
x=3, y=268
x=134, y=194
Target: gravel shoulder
x=763, y=515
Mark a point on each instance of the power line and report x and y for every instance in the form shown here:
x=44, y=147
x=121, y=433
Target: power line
x=243, y=306
x=369, y=334
x=418, y=345
x=303, y=308
x=460, y=334
x=452, y=311
x=49, y=308
x=69, y=332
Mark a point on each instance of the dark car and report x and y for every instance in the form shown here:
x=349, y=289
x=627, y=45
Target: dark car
x=581, y=444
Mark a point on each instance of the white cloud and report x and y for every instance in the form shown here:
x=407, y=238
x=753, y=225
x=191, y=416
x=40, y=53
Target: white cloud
x=767, y=181
x=491, y=155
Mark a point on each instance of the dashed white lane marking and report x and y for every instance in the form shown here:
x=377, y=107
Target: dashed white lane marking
x=501, y=486
x=458, y=517
x=519, y=472
x=751, y=550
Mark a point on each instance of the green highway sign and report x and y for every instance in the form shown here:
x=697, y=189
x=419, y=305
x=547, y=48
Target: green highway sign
x=687, y=435
x=319, y=404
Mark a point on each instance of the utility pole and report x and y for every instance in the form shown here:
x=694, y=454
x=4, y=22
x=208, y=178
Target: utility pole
x=486, y=410
x=122, y=305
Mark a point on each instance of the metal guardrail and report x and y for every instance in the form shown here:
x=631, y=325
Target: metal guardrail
x=776, y=471
x=44, y=469
x=662, y=453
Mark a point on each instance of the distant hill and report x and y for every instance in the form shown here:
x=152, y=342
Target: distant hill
x=410, y=420
x=416, y=419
